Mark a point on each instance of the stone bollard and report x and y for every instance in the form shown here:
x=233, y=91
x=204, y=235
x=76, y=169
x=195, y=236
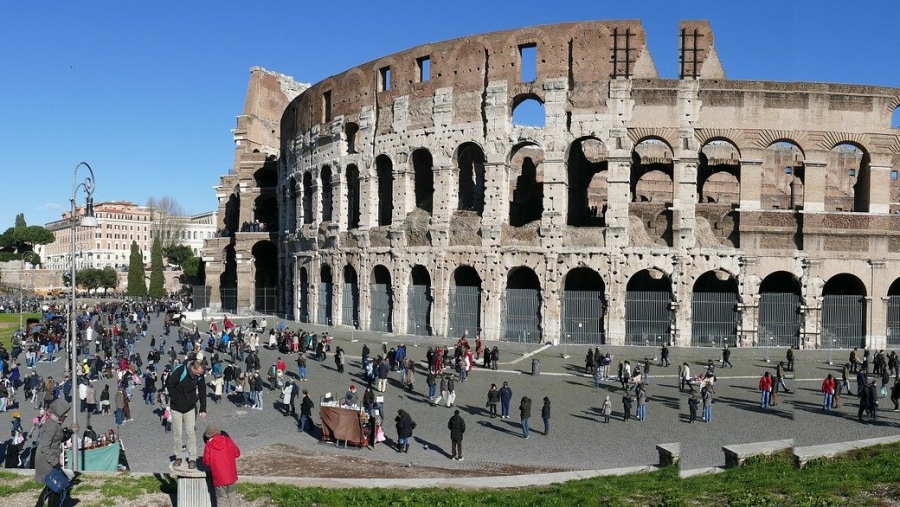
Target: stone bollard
x=194, y=489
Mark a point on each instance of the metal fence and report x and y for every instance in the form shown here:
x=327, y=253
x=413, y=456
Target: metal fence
x=648, y=317
x=380, y=318
x=522, y=318
x=465, y=309
x=779, y=319
x=350, y=305
x=843, y=321
x=323, y=310
x=714, y=319
x=419, y=300
x=583, y=317
x=893, y=321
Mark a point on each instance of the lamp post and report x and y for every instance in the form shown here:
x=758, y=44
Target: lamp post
x=25, y=257
x=88, y=220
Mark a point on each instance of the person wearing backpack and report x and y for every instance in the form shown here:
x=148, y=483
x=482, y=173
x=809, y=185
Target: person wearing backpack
x=186, y=389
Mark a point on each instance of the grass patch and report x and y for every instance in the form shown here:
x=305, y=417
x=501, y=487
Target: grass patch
x=9, y=322
x=11, y=484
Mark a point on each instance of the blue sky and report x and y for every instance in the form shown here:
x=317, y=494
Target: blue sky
x=147, y=92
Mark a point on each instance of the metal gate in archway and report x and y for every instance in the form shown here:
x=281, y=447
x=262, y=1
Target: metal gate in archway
x=419, y=301
x=583, y=317
x=522, y=318
x=714, y=319
x=648, y=317
x=893, y=321
x=843, y=321
x=324, y=306
x=465, y=309
x=779, y=320
x=350, y=305
x=380, y=307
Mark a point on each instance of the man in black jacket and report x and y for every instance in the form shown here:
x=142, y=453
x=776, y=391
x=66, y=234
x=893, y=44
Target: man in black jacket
x=186, y=387
x=457, y=427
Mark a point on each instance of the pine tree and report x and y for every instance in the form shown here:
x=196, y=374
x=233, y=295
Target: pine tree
x=136, y=285
x=157, y=279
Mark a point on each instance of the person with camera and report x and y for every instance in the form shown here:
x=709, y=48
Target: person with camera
x=46, y=462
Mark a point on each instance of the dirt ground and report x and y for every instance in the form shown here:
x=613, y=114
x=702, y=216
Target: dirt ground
x=288, y=461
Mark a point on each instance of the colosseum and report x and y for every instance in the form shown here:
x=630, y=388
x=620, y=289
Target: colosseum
x=544, y=184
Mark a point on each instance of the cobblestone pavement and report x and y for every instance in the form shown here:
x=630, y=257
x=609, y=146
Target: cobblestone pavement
x=577, y=440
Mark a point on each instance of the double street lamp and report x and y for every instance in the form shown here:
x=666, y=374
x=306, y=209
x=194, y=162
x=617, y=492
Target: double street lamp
x=87, y=220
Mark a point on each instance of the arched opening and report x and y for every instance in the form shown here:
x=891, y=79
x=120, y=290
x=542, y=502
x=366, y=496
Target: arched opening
x=649, y=318
x=719, y=174
x=470, y=162
x=714, y=305
x=779, y=311
x=326, y=194
x=526, y=197
x=420, y=300
x=382, y=305
x=350, y=131
x=847, y=179
x=584, y=308
x=895, y=118
x=292, y=203
x=265, y=213
x=228, y=280
x=350, y=298
x=652, y=172
x=265, y=280
x=352, y=196
x=326, y=296
x=465, y=301
x=303, y=302
x=588, y=173
x=307, y=198
x=893, y=314
x=232, y=217
x=895, y=183
x=423, y=172
x=522, y=303
x=267, y=176
x=843, y=312
x=783, y=176
x=528, y=111
x=384, y=170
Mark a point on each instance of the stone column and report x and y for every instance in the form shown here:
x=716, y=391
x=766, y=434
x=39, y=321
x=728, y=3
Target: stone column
x=814, y=182
x=685, y=203
x=876, y=305
x=619, y=197
x=751, y=183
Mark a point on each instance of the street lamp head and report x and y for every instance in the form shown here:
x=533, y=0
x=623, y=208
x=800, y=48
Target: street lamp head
x=89, y=220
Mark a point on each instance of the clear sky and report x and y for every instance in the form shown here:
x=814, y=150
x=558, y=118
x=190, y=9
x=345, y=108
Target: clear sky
x=147, y=92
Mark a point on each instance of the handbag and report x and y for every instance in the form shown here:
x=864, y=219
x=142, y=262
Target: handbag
x=57, y=480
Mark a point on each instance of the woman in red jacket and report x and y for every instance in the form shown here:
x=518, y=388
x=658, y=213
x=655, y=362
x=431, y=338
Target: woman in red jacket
x=828, y=390
x=765, y=389
x=220, y=455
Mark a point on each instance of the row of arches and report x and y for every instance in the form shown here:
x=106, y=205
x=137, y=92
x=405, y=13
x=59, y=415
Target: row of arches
x=652, y=177
x=649, y=304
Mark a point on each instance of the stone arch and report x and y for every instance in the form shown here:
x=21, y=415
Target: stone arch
x=779, y=318
x=783, y=175
x=266, y=177
x=649, y=318
x=843, y=312
x=307, y=197
x=265, y=211
x=652, y=171
x=522, y=305
x=528, y=111
x=351, y=131
x=465, y=300
x=303, y=296
x=325, y=176
x=353, y=196
x=265, y=276
x=583, y=307
x=382, y=303
x=350, y=303
x=420, y=300
x=384, y=169
x=847, y=178
x=292, y=203
x=325, y=310
x=719, y=173
x=228, y=283
x=470, y=161
x=526, y=192
x=714, y=309
x=232, y=218
x=893, y=314
x=588, y=178
x=423, y=177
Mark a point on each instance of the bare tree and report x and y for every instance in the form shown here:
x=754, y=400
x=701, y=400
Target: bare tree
x=169, y=221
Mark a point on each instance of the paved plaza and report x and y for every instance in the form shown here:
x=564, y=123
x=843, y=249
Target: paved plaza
x=578, y=440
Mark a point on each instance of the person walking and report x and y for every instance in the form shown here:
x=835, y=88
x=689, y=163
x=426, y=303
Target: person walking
x=686, y=377
x=306, y=406
x=895, y=395
x=545, y=415
x=47, y=454
x=505, y=398
x=765, y=390
x=186, y=389
x=828, y=391
x=664, y=356
x=845, y=379
x=525, y=415
x=405, y=426
x=220, y=456
x=493, y=397
x=457, y=427
x=726, y=357
x=790, y=358
x=779, y=378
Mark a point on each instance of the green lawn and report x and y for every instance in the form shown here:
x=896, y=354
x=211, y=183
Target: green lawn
x=9, y=322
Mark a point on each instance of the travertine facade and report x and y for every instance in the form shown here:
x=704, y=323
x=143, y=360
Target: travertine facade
x=693, y=210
